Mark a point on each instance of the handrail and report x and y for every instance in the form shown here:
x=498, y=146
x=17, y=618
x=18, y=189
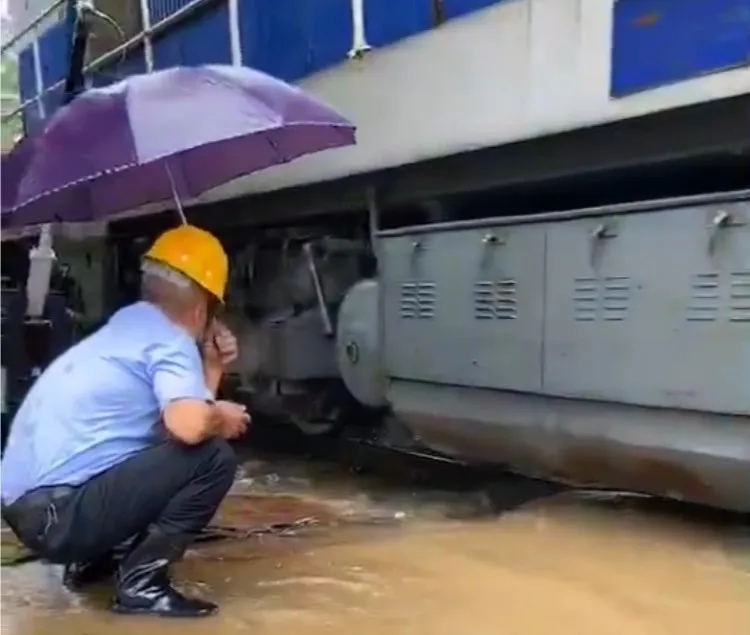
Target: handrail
x=118, y=51
x=33, y=24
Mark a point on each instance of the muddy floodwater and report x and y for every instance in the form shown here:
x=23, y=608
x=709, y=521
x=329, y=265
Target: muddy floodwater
x=292, y=554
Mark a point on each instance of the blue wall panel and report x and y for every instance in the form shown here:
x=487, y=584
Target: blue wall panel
x=160, y=9
x=659, y=42
x=290, y=39
x=133, y=64
x=329, y=33
x=53, y=54
x=384, y=25
x=294, y=38
x=287, y=38
x=32, y=118
x=27, y=89
x=167, y=50
x=52, y=100
x=26, y=75
x=203, y=39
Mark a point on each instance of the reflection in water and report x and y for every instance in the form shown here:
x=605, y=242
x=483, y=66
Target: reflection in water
x=559, y=566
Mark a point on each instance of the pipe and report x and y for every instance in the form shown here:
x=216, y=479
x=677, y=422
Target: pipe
x=77, y=30
x=325, y=316
x=359, y=38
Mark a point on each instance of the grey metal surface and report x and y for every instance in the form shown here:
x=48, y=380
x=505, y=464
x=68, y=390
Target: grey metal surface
x=639, y=207
x=295, y=348
x=698, y=457
x=358, y=344
x=465, y=307
x=651, y=309
x=624, y=365
x=408, y=346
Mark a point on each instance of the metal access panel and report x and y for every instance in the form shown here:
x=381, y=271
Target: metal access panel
x=651, y=308
x=465, y=306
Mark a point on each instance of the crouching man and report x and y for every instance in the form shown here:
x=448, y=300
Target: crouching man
x=121, y=441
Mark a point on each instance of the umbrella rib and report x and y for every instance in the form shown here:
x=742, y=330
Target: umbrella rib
x=70, y=184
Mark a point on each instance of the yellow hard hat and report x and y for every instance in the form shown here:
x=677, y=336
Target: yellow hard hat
x=196, y=254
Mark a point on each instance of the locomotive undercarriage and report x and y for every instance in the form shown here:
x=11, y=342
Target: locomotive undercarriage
x=306, y=304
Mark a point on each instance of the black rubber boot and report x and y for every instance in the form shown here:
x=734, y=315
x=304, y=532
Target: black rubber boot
x=143, y=585
x=78, y=575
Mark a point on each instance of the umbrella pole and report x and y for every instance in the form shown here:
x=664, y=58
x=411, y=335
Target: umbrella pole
x=176, y=196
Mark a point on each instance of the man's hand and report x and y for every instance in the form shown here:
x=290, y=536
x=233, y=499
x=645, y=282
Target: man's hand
x=219, y=346
x=234, y=419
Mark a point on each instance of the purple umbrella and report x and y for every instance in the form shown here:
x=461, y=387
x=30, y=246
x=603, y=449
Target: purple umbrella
x=135, y=142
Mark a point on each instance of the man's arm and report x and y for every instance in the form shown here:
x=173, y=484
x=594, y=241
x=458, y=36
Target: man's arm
x=219, y=350
x=186, y=402
x=212, y=376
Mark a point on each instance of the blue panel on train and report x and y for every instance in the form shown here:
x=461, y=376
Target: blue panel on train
x=384, y=25
x=133, y=64
x=52, y=100
x=167, y=50
x=455, y=8
x=659, y=42
x=203, y=39
x=51, y=43
x=160, y=9
x=26, y=75
x=32, y=118
x=291, y=39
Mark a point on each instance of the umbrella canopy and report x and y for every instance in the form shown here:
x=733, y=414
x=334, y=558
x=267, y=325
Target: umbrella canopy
x=135, y=142
x=14, y=164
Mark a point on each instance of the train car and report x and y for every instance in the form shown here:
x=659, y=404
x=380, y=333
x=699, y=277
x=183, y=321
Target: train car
x=538, y=253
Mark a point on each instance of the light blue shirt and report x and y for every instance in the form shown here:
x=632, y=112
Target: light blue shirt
x=100, y=402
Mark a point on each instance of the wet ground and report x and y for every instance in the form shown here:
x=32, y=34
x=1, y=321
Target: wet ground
x=306, y=549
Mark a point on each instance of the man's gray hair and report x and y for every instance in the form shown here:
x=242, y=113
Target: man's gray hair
x=165, y=273
x=164, y=286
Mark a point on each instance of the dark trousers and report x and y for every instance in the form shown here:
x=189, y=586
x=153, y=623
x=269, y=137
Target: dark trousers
x=172, y=489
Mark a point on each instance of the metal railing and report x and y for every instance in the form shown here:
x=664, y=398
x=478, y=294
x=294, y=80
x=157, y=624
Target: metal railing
x=32, y=25
x=116, y=53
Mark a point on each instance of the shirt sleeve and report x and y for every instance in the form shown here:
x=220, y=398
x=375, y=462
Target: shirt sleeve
x=176, y=372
